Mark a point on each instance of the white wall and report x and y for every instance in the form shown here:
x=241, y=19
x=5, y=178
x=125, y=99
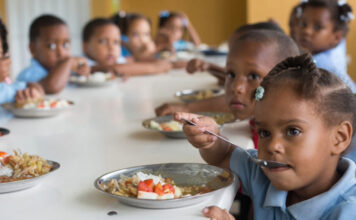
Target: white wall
x=20, y=14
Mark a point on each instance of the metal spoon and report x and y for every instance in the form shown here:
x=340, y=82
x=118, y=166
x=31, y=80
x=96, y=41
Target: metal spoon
x=259, y=162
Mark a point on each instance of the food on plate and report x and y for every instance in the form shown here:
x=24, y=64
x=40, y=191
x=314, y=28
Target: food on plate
x=149, y=186
x=19, y=166
x=44, y=104
x=198, y=95
x=97, y=77
x=166, y=126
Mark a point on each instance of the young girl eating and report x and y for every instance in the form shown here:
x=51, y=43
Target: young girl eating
x=305, y=118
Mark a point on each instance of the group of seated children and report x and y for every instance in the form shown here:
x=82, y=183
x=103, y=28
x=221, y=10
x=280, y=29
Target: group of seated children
x=121, y=45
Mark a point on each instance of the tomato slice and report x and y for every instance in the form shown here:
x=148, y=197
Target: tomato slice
x=159, y=189
x=149, y=184
x=143, y=187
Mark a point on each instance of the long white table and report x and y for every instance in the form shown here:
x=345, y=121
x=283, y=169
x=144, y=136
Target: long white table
x=102, y=133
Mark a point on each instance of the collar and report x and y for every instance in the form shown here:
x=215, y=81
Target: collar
x=316, y=206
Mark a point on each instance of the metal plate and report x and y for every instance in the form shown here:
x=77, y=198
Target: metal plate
x=89, y=83
x=189, y=95
x=26, y=183
x=4, y=131
x=183, y=174
x=35, y=112
x=220, y=117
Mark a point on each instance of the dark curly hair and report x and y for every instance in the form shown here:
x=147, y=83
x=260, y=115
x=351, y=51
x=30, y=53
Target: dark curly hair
x=332, y=97
x=42, y=21
x=92, y=25
x=3, y=35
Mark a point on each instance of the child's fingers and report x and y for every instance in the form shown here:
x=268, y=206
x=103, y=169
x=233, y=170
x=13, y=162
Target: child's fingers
x=217, y=213
x=19, y=96
x=201, y=140
x=184, y=115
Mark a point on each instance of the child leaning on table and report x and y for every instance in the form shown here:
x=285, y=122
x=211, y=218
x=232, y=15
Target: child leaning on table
x=52, y=62
x=323, y=27
x=19, y=91
x=101, y=45
x=219, y=104
x=305, y=118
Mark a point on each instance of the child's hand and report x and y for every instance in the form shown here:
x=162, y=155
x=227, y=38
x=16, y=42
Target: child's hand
x=170, y=108
x=179, y=64
x=5, y=65
x=80, y=66
x=216, y=213
x=196, y=134
x=34, y=91
x=163, y=66
x=197, y=65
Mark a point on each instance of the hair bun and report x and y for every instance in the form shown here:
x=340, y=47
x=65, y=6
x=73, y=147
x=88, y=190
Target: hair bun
x=345, y=11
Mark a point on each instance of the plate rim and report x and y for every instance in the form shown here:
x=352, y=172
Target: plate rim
x=96, y=185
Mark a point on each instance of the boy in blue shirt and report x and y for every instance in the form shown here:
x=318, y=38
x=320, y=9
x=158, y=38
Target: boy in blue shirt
x=52, y=62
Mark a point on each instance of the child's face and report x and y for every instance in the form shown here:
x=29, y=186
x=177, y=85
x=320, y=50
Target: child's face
x=246, y=66
x=104, y=45
x=51, y=46
x=292, y=132
x=175, y=28
x=317, y=30
x=139, y=34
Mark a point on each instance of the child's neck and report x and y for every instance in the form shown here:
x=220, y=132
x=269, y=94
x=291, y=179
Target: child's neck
x=312, y=190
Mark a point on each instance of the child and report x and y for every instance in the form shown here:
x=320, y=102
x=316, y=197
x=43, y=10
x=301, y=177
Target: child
x=136, y=36
x=216, y=104
x=50, y=48
x=174, y=24
x=101, y=44
x=9, y=92
x=305, y=118
x=323, y=27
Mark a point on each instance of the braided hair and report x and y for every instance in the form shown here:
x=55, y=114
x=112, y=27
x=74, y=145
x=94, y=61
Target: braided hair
x=330, y=96
x=341, y=14
x=3, y=35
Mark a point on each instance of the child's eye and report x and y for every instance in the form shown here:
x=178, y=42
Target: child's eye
x=103, y=41
x=52, y=46
x=317, y=27
x=254, y=76
x=291, y=132
x=66, y=45
x=303, y=24
x=230, y=74
x=263, y=133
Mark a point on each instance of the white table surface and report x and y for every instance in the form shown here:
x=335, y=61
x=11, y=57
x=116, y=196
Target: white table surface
x=100, y=134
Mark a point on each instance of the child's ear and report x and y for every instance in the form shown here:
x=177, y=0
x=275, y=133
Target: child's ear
x=342, y=137
x=32, y=48
x=338, y=36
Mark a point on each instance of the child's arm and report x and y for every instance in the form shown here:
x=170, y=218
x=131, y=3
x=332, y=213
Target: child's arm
x=193, y=34
x=142, y=68
x=198, y=65
x=214, y=212
x=215, y=104
x=212, y=150
x=57, y=77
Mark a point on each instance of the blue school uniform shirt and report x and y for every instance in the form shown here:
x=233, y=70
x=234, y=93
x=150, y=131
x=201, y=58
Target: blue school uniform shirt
x=334, y=60
x=270, y=203
x=182, y=45
x=34, y=73
x=8, y=91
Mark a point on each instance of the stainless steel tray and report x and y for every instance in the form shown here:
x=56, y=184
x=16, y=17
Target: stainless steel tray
x=183, y=174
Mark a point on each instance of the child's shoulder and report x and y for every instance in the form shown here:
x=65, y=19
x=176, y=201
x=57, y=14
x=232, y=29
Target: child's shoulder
x=33, y=73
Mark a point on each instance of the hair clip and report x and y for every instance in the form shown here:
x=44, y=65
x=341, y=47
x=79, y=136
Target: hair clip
x=348, y=17
x=299, y=12
x=164, y=14
x=122, y=14
x=259, y=93
x=341, y=2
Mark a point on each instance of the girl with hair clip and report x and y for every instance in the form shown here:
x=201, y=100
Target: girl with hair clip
x=172, y=25
x=17, y=91
x=137, y=43
x=305, y=119
x=323, y=27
